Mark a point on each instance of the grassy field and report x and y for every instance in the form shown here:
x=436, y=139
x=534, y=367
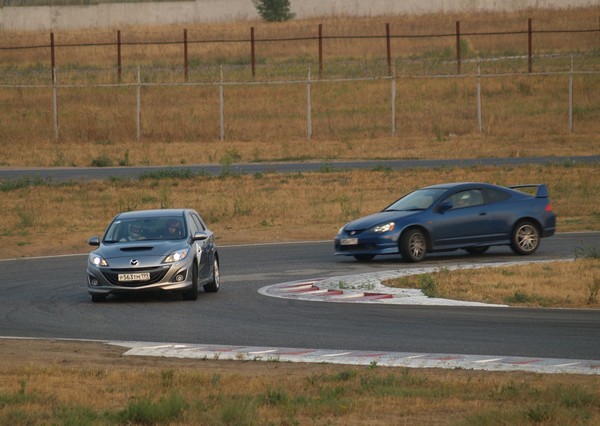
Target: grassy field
x=94, y=112
x=534, y=285
x=91, y=384
x=260, y=207
x=76, y=383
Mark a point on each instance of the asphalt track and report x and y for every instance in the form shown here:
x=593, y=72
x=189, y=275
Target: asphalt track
x=46, y=298
x=58, y=174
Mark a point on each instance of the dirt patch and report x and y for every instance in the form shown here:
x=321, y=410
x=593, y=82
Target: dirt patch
x=17, y=353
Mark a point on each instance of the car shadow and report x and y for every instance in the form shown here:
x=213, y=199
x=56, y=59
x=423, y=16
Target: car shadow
x=151, y=297
x=494, y=254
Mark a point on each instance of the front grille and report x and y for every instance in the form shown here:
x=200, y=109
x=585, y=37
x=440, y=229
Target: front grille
x=156, y=274
x=356, y=247
x=355, y=232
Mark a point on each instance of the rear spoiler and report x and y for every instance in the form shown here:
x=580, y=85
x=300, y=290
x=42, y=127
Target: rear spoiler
x=542, y=190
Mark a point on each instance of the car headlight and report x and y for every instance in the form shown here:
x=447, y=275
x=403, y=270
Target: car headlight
x=386, y=227
x=341, y=230
x=97, y=260
x=176, y=256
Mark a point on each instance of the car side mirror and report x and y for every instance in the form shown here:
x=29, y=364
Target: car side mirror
x=200, y=236
x=445, y=206
x=94, y=241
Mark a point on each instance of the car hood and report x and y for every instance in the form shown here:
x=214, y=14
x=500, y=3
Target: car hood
x=140, y=249
x=378, y=218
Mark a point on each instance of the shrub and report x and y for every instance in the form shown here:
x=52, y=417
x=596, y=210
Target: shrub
x=273, y=10
x=102, y=161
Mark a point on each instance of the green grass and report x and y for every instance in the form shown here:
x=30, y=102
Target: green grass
x=322, y=395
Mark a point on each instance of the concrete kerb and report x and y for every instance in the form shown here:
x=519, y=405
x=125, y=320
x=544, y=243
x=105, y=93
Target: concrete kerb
x=369, y=287
x=346, y=357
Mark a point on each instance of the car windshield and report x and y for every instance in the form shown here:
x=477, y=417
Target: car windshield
x=420, y=199
x=154, y=228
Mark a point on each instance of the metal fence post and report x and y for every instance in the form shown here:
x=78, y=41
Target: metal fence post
x=308, y=109
x=138, y=106
x=571, y=97
x=320, y=51
x=185, y=55
x=479, y=121
x=52, y=57
x=55, y=102
x=393, y=101
x=119, y=55
x=221, y=108
x=530, y=44
x=458, y=48
x=252, y=52
x=388, y=48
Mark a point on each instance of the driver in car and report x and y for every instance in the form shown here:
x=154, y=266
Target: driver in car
x=134, y=233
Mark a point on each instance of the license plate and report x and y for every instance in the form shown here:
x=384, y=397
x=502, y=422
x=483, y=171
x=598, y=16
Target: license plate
x=142, y=276
x=349, y=241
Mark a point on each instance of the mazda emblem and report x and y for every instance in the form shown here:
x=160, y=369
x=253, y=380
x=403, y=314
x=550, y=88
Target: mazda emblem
x=134, y=262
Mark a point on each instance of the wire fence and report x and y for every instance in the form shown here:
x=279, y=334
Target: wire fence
x=387, y=107
x=259, y=58
x=454, y=90
x=294, y=72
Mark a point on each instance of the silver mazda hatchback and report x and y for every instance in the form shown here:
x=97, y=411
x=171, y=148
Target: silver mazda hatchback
x=149, y=250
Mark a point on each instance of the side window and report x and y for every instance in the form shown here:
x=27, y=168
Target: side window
x=198, y=223
x=469, y=198
x=494, y=196
x=193, y=225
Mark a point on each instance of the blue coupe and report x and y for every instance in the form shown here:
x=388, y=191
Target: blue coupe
x=467, y=215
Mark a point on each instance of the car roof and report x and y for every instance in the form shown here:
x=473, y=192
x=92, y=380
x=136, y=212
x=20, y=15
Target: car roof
x=153, y=213
x=542, y=190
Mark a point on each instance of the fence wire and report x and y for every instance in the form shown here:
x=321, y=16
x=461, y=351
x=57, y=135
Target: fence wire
x=301, y=72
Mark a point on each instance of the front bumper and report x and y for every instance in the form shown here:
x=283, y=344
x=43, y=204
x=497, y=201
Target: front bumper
x=169, y=277
x=376, y=245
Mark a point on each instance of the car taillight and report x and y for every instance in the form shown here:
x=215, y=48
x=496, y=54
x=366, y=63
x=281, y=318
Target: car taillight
x=549, y=207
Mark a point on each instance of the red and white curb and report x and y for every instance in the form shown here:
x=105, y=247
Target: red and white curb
x=367, y=358
x=346, y=357
x=369, y=288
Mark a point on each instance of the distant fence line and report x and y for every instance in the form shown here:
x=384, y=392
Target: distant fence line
x=252, y=42
x=308, y=82
x=107, y=15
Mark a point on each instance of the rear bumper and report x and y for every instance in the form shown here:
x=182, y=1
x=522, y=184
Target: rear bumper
x=548, y=232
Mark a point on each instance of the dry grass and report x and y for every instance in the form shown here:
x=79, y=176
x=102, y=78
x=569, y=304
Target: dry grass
x=534, y=285
x=177, y=153
x=307, y=51
x=81, y=387
x=261, y=207
x=514, y=108
x=435, y=120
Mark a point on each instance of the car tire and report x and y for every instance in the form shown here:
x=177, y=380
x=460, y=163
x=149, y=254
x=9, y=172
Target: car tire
x=98, y=298
x=525, y=238
x=477, y=249
x=192, y=293
x=215, y=283
x=413, y=245
x=364, y=257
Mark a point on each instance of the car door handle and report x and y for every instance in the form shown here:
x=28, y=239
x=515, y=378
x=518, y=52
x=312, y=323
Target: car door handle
x=482, y=213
